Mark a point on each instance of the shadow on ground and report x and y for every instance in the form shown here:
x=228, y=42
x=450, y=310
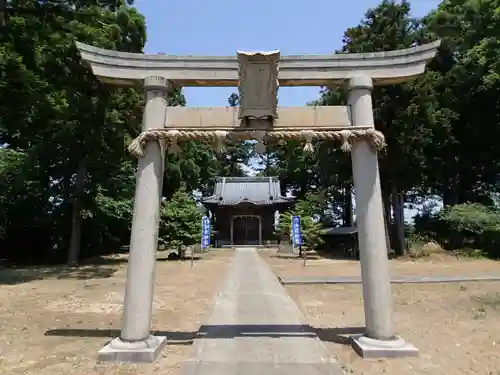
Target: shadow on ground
x=286, y=256
x=339, y=335
x=172, y=257
x=323, y=254
x=18, y=275
x=314, y=256
x=95, y=268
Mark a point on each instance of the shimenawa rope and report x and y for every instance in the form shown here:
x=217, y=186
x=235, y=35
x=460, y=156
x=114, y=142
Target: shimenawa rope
x=219, y=138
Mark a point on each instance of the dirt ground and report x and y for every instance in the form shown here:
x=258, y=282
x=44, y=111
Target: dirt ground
x=455, y=326
x=54, y=320
x=436, y=264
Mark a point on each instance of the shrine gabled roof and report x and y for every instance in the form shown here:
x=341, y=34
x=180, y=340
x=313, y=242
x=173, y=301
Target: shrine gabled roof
x=230, y=191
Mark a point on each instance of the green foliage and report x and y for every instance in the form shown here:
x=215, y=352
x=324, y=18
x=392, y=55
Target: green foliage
x=464, y=226
x=399, y=110
x=435, y=125
x=233, y=100
x=10, y=161
x=74, y=180
x=474, y=225
x=463, y=164
x=59, y=126
x=471, y=253
x=310, y=228
x=489, y=243
x=470, y=218
x=180, y=221
x=69, y=127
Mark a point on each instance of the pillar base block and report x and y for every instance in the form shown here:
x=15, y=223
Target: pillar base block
x=371, y=348
x=145, y=351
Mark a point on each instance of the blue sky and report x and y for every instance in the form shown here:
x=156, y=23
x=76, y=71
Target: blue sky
x=220, y=27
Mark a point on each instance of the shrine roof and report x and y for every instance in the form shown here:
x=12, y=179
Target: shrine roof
x=230, y=191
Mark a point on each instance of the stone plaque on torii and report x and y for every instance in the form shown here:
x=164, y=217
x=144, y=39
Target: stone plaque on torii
x=258, y=76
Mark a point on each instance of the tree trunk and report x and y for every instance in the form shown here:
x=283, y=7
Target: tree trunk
x=268, y=164
x=76, y=218
x=348, y=218
x=402, y=221
x=398, y=209
x=451, y=191
x=451, y=195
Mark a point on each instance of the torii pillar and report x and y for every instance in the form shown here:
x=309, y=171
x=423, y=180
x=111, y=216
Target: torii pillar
x=359, y=71
x=379, y=339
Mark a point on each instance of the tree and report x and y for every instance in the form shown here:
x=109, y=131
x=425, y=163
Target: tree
x=311, y=229
x=401, y=111
x=70, y=126
x=233, y=100
x=464, y=165
x=436, y=143
x=180, y=223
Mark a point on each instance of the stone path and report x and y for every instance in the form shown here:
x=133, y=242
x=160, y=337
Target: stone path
x=256, y=329
x=395, y=280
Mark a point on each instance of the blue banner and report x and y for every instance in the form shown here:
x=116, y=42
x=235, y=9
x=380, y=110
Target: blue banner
x=296, y=234
x=205, y=232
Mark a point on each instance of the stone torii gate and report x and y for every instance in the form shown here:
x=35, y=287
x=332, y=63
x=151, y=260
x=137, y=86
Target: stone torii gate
x=258, y=76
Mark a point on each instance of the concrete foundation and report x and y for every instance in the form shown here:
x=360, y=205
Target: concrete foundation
x=132, y=352
x=371, y=348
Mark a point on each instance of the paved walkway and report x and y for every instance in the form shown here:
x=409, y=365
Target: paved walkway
x=256, y=329
x=395, y=280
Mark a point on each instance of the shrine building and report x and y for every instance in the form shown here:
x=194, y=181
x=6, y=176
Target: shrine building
x=243, y=210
